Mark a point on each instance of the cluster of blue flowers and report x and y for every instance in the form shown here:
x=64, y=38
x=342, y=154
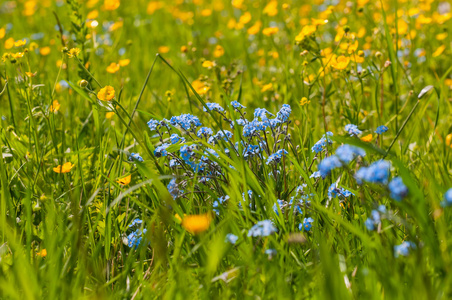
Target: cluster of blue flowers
x=202, y=158
x=186, y=121
x=214, y=107
x=381, y=129
x=404, y=248
x=377, y=172
x=322, y=143
x=352, y=130
x=375, y=218
x=447, y=199
x=262, y=229
x=299, y=201
x=135, y=156
x=135, y=238
x=398, y=189
x=335, y=191
x=343, y=155
x=276, y=157
x=193, y=155
x=306, y=225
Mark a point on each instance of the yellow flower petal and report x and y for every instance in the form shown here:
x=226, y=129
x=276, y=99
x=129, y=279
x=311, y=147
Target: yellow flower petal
x=196, y=223
x=65, y=168
x=125, y=180
x=106, y=93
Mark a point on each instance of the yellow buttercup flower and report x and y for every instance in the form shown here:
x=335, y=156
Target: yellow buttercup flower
x=271, y=9
x=237, y=3
x=153, y=6
x=266, y=87
x=196, y=223
x=367, y=138
x=449, y=140
x=208, y=64
x=44, y=51
x=305, y=31
x=341, y=62
x=55, y=106
x=218, y=52
x=113, y=68
x=9, y=43
x=270, y=31
x=65, y=168
x=439, y=51
x=111, y=4
x=164, y=49
x=245, y=18
x=74, y=52
x=125, y=180
x=206, y=12
x=20, y=43
x=42, y=253
x=255, y=28
x=318, y=21
x=2, y=33
x=124, y=62
x=200, y=87
x=441, y=36
x=109, y=115
x=92, y=14
x=106, y=93
x=304, y=101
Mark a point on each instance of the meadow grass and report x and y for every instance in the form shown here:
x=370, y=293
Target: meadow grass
x=144, y=143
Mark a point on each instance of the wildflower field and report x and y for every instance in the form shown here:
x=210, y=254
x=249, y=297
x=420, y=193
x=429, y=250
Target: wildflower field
x=245, y=149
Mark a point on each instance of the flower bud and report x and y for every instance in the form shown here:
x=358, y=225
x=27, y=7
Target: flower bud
x=83, y=83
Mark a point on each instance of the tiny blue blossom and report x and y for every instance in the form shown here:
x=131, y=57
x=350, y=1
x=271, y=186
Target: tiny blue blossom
x=213, y=107
x=322, y=143
x=204, y=131
x=447, y=199
x=284, y=113
x=160, y=151
x=261, y=113
x=136, y=222
x=352, y=130
x=373, y=221
x=306, y=225
x=173, y=163
x=134, y=239
x=315, y=174
x=398, y=189
x=231, y=238
x=175, y=138
x=328, y=164
x=262, y=228
x=237, y=105
x=135, y=156
x=251, y=150
x=153, y=124
x=404, y=248
x=186, y=121
x=279, y=203
x=377, y=172
x=186, y=152
x=276, y=157
x=271, y=253
x=381, y=129
x=346, y=153
x=334, y=191
x=173, y=189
